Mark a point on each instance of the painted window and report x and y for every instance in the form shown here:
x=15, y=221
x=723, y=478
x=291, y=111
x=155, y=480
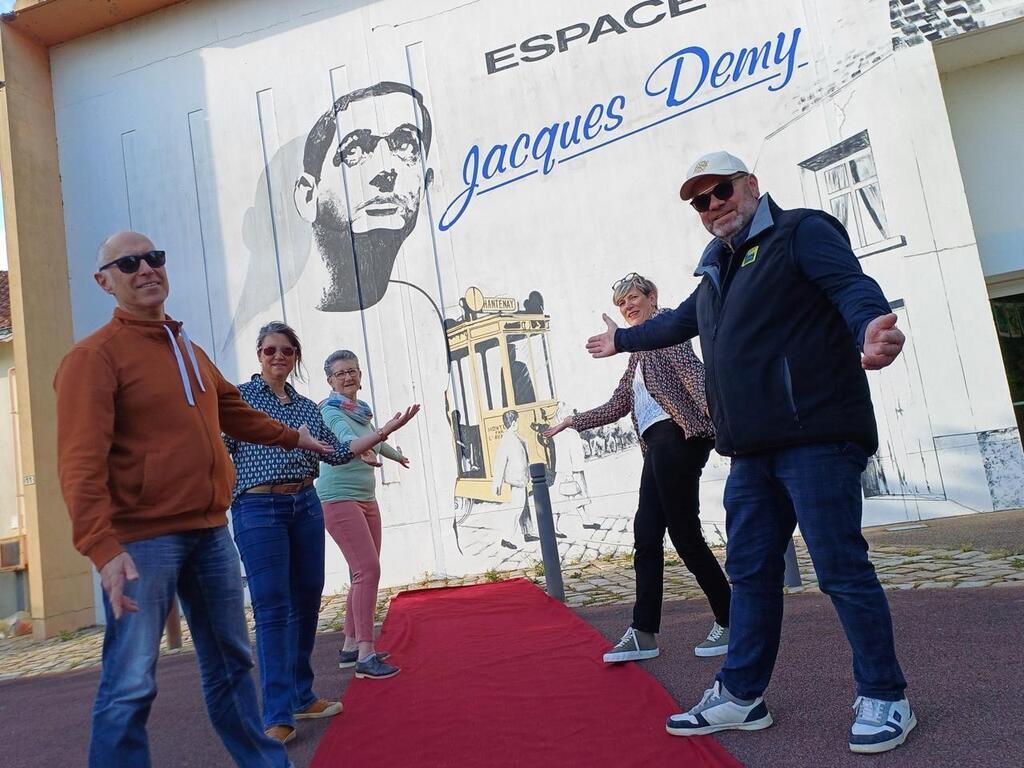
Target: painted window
x=854, y=198
x=488, y=355
x=848, y=187
x=465, y=420
x=545, y=384
x=522, y=370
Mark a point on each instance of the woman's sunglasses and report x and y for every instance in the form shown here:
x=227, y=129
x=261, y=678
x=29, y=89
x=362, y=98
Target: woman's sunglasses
x=723, y=190
x=270, y=351
x=130, y=264
x=622, y=283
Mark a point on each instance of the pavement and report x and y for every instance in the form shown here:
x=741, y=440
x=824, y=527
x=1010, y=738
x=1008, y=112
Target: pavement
x=994, y=532
x=956, y=648
x=910, y=565
x=952, y=643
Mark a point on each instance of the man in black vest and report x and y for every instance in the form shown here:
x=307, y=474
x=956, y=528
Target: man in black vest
x=788, y=322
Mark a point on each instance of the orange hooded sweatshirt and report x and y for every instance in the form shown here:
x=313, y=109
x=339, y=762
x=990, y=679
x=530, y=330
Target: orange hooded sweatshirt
x=140, y=411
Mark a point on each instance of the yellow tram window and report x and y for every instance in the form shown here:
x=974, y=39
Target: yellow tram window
x=493, y=385
x=519, y=369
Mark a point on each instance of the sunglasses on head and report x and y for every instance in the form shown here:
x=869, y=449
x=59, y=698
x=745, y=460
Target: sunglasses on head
x=723, y=190
x=623, y=282
x=271, y=350
x=130, y=264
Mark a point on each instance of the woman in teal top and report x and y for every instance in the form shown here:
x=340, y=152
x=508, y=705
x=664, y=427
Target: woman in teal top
x=351, y=514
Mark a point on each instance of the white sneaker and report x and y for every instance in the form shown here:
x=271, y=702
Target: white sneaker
x=635, y=645
x=716, y=644
x=717, y=713
x=880, y=725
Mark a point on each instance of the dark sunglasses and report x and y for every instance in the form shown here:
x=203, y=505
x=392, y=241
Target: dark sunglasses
x=723, y=190
x=272, y=350
x=130, y=264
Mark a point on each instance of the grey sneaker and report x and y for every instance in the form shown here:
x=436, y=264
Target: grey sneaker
x=375, y=669
x=716, y=712
x=716, y=643
x=635, y=645
x=349, y=658
x=880, y=725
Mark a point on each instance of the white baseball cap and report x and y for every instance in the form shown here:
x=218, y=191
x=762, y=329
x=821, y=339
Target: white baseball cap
x=712, y=164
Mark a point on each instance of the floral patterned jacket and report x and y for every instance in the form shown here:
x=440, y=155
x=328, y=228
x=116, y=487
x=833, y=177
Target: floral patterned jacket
x=675, y=378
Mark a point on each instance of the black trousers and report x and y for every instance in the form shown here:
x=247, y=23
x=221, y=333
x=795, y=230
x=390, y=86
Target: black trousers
x=670, y=500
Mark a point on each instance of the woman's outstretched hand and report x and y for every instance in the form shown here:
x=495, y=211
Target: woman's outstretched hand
x=370, y=457
x=400, y=419
x=563, y=424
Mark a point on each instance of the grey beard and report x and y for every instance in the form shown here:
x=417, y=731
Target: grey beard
x=359, y=264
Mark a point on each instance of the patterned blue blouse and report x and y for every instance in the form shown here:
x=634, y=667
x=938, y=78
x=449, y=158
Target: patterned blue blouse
x=268, y=464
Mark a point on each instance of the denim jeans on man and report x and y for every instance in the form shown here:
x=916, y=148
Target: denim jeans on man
x=281, y=540
x=817, y=486
x=202, y=566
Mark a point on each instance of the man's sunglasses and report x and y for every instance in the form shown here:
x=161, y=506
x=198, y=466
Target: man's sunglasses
x=130, y=264
x=270, y=351
x=723, y=190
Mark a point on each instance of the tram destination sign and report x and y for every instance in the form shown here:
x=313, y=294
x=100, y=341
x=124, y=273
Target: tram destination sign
x=477, y=302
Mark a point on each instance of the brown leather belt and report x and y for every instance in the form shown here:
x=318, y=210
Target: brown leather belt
x=282, y=487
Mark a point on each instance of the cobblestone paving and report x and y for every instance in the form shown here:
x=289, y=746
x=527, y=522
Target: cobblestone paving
x=604, y=581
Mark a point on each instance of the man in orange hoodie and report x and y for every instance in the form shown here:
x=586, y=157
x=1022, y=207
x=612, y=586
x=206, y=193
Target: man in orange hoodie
x=147, y=482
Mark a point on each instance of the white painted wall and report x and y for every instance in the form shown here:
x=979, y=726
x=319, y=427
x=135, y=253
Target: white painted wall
x=986, y=112
x=174, y=124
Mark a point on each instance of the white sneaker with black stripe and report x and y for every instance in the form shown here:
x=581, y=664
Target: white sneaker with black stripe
x=635, y=645
x=880, y=725
x=716, y=712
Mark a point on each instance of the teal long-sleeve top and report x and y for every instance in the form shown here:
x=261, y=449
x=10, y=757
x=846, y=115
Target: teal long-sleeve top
x=354, y=481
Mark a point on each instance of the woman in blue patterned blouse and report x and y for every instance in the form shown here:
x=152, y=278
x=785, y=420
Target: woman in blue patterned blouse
x=279, y=530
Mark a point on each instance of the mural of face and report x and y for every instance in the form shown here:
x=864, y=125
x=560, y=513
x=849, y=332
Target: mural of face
x=361, y=190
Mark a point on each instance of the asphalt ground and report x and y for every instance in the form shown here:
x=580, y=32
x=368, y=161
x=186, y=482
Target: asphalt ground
x=958, y=647
x=988, y=531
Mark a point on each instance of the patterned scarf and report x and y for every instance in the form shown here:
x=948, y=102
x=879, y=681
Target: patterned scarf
x=357, y=409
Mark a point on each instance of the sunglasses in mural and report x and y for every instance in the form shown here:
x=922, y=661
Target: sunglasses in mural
x=361, y=187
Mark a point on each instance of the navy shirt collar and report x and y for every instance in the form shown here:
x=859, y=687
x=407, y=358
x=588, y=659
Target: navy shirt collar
x=292, y=392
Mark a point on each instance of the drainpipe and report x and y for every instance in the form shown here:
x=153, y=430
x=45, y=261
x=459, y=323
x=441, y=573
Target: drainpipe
x=19, y=488
x=21, y=580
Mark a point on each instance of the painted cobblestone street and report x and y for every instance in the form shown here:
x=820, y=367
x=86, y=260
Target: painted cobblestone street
x=604, y=581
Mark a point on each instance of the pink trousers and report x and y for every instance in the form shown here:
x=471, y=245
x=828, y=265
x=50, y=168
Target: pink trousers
x=355, y=528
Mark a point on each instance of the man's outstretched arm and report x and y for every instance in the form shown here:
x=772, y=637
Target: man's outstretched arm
x=664, y=330
x=825, y=257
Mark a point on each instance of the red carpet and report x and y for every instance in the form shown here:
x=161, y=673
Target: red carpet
x=502, y=675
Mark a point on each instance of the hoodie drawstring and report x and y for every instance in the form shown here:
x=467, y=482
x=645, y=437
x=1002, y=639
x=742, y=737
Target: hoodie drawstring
x=192, y=358
x=185, y=383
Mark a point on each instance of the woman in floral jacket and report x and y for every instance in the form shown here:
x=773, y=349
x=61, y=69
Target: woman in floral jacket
x=663, y=390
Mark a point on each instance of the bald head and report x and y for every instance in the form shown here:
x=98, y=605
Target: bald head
x=122, y=244
x=141, y=292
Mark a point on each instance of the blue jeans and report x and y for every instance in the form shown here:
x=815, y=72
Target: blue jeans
x=766, y=494
x=281, y=540
x=202, y=566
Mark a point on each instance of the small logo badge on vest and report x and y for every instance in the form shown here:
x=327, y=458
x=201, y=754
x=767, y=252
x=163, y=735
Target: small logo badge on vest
x=749, y=258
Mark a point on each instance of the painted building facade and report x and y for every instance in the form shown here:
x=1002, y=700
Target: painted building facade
x=449, y=189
